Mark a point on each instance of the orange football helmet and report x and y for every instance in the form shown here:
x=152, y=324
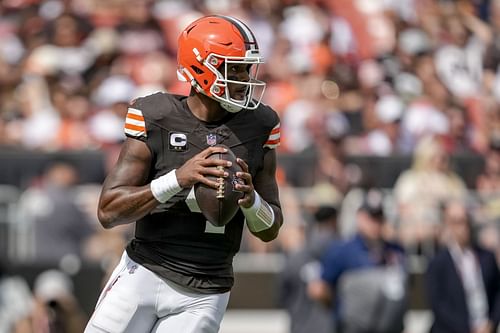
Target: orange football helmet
x=206, y=48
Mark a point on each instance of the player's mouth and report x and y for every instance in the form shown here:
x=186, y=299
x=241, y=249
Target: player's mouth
x=240, y=93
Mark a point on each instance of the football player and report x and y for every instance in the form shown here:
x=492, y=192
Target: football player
x=176, y=273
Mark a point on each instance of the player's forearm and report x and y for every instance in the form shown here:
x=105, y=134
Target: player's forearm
x=269, y=234
x=124, y=205
x=263, y=219
x=272, y=233
x=121, y=204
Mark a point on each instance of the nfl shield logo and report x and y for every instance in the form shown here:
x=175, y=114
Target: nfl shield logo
x=211, y=139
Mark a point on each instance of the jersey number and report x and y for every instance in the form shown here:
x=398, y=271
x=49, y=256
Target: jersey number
x=193, y=207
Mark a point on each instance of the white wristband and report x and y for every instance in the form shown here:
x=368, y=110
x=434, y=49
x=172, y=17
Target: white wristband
x=165, y=187
x=260, y=216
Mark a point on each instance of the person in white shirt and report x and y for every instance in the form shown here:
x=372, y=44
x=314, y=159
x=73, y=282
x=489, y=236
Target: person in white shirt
x=463, y=279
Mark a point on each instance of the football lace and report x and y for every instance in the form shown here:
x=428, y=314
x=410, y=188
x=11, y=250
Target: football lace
x=221, y=186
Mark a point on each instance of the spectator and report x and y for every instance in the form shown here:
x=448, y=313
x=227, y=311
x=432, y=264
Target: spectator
x=73, y=107
x=418, y=192
x=364, y=275
x=103, y=247
x=16, y=304
x=385, y=139
x=302, y=267
x=34, y=122
x=488, y=195
x=330, y=151
x=56, y=308
x=458, y=138
x=60, y=227
x=459, y=62
x=140, y=33
x=463, y=280
x=488, y=182
x=425, y=115
x=112, y=96
x=65, y=51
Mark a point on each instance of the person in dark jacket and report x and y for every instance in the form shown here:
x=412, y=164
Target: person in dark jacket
x=463, y=279
x=303, y=266
x=363, y=278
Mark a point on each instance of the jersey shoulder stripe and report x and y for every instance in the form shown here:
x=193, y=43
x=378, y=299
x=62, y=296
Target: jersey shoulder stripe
x=135, y=126
x=273, y=140
x=270, y=121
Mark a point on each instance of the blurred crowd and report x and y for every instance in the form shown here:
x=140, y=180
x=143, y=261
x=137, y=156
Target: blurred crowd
x=373, y=76
x=385, y=78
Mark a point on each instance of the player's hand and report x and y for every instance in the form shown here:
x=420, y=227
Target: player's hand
x=199, y=166
x=247, y=188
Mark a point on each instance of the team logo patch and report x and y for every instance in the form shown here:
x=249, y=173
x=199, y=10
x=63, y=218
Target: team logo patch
x=235, y=181
x=211, y=139
x=177, y=141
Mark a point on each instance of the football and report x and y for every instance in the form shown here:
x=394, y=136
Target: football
x=220, y=205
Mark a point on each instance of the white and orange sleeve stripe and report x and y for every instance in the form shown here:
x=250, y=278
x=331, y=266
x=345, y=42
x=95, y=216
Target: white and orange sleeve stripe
x=135, y=125
x=273, y=141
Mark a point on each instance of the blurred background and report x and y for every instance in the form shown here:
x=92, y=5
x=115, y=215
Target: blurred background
x=398, y=95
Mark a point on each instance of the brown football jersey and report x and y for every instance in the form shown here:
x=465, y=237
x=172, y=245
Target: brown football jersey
x=175, y=240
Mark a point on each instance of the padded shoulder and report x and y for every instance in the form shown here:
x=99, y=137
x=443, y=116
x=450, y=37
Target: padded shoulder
x=157, y=106
x=271, y=124
x=266, y=116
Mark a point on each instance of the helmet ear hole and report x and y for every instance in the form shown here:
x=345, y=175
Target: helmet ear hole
x=205, y=81
x=214, y=61
x=197, y=70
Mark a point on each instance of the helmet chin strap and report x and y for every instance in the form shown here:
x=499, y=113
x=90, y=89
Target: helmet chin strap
x=230, y=107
